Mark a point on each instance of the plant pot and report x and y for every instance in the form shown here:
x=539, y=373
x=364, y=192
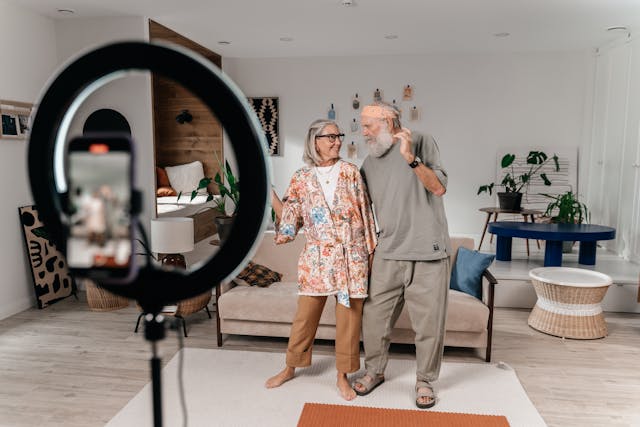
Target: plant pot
x=223, y=225
x=510, y=201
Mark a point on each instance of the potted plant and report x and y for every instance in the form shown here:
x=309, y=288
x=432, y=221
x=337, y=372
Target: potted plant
x=229, y=189
x=513, y=184
x=568, y=210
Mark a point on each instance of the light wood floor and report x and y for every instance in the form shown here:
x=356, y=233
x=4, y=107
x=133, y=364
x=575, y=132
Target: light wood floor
x=68, y=366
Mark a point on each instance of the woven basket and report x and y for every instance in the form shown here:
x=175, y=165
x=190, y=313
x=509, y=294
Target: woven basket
x=577, y=325
x=102, y=300
x=193, y=305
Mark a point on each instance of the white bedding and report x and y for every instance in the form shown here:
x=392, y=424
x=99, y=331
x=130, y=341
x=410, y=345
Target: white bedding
x=171, y=206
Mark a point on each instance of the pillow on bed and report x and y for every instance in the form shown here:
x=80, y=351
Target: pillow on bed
x=165, y=192
x=162, y=180
x=185, y=178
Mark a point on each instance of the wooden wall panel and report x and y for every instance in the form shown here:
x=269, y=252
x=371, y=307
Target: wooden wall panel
x=175, y=143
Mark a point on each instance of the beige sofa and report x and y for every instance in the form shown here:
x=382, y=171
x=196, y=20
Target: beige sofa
x=251, y=310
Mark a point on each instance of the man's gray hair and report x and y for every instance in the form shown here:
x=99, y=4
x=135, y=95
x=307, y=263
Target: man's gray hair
x=391, y=109
x=310, y=155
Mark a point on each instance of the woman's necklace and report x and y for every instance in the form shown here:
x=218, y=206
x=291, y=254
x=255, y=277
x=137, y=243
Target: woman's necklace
x=326, y=175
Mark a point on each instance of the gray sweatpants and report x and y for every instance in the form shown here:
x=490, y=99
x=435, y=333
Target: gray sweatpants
x=423, y=286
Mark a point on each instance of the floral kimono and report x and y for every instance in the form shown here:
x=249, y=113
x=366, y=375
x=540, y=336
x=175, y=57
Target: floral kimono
x=340, y=237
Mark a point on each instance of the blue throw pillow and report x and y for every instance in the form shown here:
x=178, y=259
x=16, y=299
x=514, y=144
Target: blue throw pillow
x=466, y=275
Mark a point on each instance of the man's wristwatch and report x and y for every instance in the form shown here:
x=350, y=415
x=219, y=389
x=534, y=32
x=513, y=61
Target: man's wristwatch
x=415, y=163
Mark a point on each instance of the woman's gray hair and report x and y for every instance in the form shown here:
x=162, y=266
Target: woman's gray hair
x=311, y=156
x=393, y=110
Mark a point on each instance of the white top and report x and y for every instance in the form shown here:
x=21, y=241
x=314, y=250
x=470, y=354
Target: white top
x=328, y=177
x=566, y=276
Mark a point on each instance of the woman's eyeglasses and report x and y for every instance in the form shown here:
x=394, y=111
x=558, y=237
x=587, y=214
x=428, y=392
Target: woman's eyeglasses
x=332, y=136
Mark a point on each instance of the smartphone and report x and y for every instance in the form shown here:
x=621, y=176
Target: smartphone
x=100, y=224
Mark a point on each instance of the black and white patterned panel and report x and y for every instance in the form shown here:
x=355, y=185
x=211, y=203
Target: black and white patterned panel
x=267, y=111
x=51, y=278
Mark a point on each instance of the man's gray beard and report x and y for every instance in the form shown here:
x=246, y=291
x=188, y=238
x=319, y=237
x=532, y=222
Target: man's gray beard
x=379, y=145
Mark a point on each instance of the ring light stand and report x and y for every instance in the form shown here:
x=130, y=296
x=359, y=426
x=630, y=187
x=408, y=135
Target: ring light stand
x=153, y=288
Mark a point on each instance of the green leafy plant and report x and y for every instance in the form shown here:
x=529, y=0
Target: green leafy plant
x=569, y=209
x=515, y=183
x=230, y=188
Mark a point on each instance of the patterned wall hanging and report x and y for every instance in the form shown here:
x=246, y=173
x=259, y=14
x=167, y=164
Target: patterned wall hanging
x=267, y=111
x=51, y=278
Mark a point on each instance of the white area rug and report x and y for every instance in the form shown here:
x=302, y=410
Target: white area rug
x=226, y=388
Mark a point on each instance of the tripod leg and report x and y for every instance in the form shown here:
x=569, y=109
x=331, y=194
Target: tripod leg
x=157, y=391
x=138, y=322
x=154, y=332
x=184, y=325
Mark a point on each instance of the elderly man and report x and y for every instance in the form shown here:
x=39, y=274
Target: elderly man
x=406, y=183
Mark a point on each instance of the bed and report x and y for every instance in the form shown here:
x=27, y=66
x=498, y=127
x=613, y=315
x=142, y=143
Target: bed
x=172, y=206
x=173, y=180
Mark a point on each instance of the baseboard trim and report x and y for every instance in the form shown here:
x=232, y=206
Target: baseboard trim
x=15, y=307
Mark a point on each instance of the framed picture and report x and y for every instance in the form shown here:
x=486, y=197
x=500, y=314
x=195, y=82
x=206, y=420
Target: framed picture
x=24, y=124
x=15, y=117
x=10, y=126
x=266, y=109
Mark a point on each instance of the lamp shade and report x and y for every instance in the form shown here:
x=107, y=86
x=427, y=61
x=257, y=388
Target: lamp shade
x=171, y=235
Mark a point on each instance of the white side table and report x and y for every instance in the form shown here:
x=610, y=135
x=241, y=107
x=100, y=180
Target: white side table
x=568, y=303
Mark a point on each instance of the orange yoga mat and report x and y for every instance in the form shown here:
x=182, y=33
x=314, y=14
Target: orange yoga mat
x=320, y=415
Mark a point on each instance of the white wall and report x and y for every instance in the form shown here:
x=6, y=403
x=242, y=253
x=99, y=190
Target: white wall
x=131, y=95
x=471, y=103
x=28, y=58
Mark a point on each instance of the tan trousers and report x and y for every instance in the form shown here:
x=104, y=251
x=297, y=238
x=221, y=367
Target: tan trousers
x=423, y=286
x=305, y=325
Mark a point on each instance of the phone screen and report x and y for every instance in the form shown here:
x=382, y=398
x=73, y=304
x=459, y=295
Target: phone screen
x=99, y=175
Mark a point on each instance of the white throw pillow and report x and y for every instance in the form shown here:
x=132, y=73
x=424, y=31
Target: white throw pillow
x=185, y=178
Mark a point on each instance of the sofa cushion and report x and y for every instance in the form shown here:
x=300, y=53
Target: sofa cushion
x=277, y=303
x=464, y=313
x=281, y=258
x=466, y=275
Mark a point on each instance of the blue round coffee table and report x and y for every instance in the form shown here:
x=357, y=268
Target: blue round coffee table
x=554, y=234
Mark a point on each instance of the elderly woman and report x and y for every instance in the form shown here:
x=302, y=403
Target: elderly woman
x=327, y=199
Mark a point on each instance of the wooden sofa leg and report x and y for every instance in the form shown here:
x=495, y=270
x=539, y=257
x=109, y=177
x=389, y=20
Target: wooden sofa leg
x=490, y=322
x=490, y=301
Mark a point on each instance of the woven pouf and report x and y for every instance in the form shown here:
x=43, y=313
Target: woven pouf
x=568, y=303
x=102, y=300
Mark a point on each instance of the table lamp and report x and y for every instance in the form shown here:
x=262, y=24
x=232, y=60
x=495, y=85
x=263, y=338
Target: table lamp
x=170, y=237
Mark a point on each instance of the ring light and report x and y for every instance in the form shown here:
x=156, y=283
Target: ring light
x=153, y=287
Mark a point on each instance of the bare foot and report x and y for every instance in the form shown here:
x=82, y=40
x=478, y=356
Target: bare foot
x=282, y=377
x=344, y=387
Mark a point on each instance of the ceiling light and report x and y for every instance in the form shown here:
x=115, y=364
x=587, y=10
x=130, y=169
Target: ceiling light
x=502, y=35
x=391, y=36
x=286, y=39
x=224, y=42
x=348, y=3
x=66, y=11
